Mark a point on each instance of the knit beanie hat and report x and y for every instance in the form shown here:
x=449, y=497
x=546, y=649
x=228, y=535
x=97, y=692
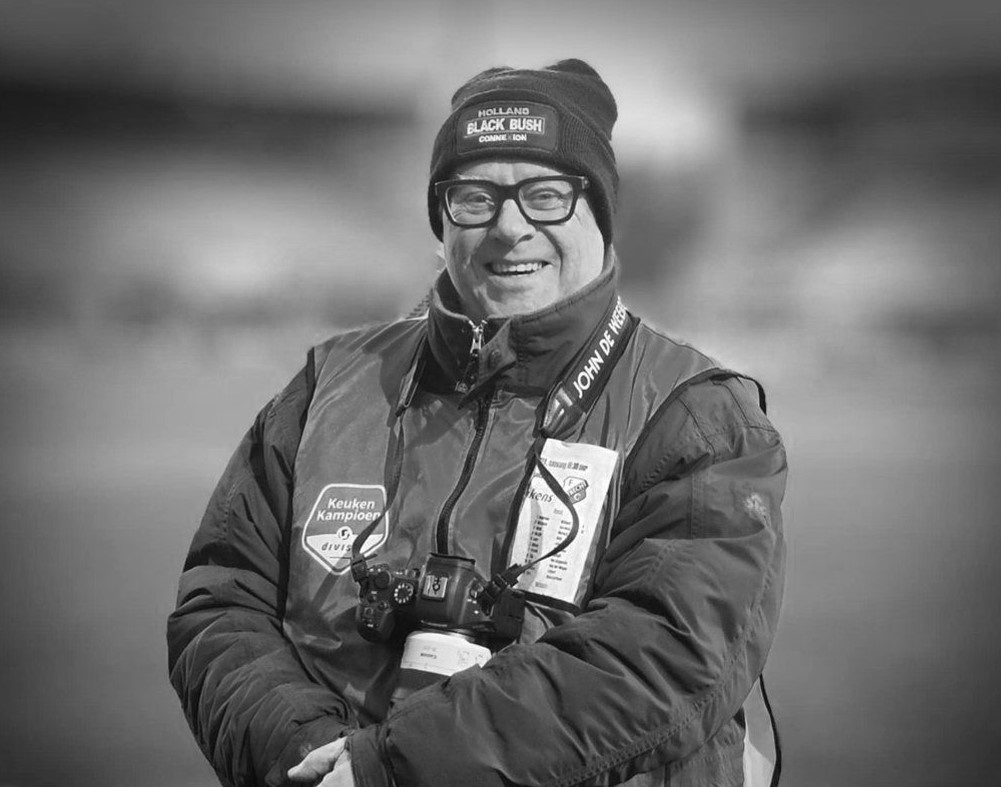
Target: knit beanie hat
x=560, y=116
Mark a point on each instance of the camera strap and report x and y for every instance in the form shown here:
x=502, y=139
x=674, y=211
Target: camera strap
x=503, y=580
x=570, y=400
x=359, y=563
x=585, y=378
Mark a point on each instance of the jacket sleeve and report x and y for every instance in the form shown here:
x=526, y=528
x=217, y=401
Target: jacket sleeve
x=685, y=607
x=253, y=709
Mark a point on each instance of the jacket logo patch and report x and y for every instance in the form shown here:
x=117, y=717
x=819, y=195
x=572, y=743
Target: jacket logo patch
x=340, y=513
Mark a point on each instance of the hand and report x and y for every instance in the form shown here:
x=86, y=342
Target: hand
x=331, y=762
x=341, y=775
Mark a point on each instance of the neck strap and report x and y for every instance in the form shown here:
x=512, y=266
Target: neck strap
x=566, y=404
x=574, y=396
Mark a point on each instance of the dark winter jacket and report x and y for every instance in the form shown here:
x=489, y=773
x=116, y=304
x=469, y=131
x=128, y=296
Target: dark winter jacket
x=639, y=674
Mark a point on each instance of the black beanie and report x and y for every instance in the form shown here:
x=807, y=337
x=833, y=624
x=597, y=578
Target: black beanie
x=561, y=116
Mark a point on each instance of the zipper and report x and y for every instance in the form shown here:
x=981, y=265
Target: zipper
x=482, y=414
x=473, y=364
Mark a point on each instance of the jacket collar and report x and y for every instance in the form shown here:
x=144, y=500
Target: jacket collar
x=524, y=353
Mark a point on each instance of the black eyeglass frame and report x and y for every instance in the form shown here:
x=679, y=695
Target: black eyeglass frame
x=578, y=184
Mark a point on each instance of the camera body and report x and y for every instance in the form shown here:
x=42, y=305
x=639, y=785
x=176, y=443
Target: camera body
x=445, y=596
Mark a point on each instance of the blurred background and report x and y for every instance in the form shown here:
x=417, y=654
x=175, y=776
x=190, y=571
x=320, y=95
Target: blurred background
x=192, y=192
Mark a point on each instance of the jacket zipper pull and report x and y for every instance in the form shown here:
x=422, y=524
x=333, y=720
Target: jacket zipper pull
x=473, y=365
x=477, y=343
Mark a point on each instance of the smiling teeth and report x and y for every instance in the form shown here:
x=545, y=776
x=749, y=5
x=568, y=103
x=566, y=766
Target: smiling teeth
x=508, y=268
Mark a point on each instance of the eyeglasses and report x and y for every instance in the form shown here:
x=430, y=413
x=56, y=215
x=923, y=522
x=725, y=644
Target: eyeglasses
x=550, y=199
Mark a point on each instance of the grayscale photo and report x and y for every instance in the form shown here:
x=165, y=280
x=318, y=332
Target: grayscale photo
x=436, y=393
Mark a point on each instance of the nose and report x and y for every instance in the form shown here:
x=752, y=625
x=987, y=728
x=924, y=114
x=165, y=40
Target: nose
x=511, y=225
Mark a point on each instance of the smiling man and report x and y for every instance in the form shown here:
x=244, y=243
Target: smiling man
x=523, y=539
x=517, y=251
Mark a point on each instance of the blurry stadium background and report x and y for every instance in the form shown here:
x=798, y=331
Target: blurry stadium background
x=194, y=191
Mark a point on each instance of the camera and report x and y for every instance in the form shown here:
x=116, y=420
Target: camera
x=446, y=596
x=447, y=612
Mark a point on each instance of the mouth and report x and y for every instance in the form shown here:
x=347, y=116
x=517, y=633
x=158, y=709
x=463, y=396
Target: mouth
x=504, y=268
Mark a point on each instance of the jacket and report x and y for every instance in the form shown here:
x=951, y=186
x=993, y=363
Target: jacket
x=636, y=669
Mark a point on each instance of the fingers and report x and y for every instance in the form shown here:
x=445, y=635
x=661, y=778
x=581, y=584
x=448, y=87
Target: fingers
x=341, y=775
x=318, y=762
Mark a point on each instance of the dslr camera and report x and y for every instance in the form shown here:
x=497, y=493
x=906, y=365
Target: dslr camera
x=446, y=596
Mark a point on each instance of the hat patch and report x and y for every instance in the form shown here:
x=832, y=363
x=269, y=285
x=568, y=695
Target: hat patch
x=523, y=123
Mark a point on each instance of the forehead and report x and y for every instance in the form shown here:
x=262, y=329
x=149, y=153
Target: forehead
x=504, y=170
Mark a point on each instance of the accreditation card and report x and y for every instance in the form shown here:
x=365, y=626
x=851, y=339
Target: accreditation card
x=585, y=472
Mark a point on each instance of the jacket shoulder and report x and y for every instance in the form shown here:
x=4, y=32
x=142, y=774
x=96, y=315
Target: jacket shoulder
x=380, y=338
x=661, y=349
x=708, y=414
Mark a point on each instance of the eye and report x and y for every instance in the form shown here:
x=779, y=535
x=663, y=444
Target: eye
x=471, y=199
x=546, y=195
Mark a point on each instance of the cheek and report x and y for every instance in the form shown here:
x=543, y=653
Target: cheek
x=457, y=245
x=449, y=250
x=583, y=255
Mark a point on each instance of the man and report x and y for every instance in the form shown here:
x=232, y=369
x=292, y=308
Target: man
x=619, y=485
